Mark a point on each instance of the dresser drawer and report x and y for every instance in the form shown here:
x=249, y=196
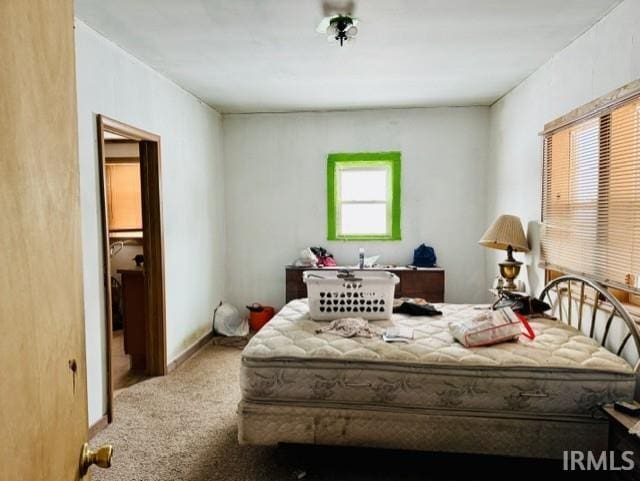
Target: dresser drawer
x=421, y=283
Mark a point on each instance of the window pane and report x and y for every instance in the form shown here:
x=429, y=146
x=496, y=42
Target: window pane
x=362, y=219
x=585, y=161
x=361, y=184
x=571, y=211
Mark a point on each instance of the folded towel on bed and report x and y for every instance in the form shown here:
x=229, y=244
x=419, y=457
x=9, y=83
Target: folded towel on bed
x=351, y=327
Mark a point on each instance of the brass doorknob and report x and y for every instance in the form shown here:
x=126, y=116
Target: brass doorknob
x=101, y=457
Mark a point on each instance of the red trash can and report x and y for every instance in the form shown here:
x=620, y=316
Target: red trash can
x=259, y=315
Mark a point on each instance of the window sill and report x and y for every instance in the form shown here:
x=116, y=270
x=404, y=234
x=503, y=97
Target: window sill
x=632, y=309
x=125, y=235
x=364, y=238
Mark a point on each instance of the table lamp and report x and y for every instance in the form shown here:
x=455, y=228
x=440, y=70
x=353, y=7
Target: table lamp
x=506, y=234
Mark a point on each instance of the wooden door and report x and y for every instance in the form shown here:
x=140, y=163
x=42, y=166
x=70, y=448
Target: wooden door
x=43, y=402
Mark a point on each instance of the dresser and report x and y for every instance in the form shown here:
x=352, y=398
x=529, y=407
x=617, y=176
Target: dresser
x=134, y=318
x=424, y=282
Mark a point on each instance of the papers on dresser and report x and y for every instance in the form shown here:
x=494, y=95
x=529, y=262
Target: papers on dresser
x=398, y=334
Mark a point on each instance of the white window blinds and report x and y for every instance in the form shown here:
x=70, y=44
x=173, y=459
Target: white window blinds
x=591, y=197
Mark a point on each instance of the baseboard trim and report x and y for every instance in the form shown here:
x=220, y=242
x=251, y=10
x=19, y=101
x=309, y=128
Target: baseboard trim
x=190, y=351
x=98, y=426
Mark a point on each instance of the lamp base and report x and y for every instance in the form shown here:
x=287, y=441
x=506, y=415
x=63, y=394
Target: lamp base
x=509, y=270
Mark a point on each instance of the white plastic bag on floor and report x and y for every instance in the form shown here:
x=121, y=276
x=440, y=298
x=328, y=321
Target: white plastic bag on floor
x=228, y=321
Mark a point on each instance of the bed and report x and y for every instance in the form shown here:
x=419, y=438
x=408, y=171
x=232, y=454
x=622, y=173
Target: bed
x=526, y=398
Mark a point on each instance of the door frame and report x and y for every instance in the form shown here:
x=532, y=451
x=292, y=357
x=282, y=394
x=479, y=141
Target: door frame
x=153, y=247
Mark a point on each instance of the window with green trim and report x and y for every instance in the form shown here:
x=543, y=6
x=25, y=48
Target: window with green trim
x=363, y=196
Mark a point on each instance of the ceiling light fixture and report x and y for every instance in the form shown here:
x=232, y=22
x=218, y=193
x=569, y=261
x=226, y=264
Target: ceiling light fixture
x=342, y=28
x=338, y=23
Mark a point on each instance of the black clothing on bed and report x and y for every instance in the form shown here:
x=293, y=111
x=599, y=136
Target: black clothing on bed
x=416, y=309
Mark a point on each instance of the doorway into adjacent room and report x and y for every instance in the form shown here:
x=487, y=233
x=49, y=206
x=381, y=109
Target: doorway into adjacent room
x=133, y=255
x=126, y=255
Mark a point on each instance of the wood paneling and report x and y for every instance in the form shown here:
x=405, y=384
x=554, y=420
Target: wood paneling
x=43, y=408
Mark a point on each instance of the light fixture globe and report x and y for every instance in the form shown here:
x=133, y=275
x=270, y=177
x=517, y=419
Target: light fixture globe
x=342, y=28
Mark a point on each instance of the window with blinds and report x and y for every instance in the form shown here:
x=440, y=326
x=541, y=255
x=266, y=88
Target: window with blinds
x=591, y=197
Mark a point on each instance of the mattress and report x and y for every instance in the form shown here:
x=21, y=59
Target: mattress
x=561, y=373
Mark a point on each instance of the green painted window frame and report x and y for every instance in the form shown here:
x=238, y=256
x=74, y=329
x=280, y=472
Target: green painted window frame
x=335, y=162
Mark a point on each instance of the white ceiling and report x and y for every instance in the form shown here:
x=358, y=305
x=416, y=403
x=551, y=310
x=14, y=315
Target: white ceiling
x=265, y=55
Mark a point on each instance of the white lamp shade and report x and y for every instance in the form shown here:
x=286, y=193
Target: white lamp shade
x=505, y=231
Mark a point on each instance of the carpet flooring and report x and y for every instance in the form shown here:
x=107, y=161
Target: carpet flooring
x=182, y=427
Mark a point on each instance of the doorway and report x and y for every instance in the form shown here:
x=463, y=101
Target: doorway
x=131, y=201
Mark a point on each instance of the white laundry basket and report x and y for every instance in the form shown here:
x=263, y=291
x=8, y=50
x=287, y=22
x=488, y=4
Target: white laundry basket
x=332, y=295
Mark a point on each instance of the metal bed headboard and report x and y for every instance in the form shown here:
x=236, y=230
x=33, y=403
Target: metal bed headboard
x=574, y=287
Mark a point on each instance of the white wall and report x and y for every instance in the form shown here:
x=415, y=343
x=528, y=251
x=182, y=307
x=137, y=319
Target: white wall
x=604, y=58
x=275, y=167
x=113, y=83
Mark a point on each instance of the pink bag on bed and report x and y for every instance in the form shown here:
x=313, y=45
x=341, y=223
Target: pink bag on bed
x=491, y=327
